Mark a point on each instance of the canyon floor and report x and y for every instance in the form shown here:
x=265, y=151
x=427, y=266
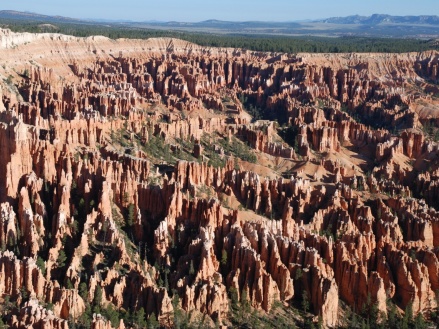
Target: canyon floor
x=157, y=183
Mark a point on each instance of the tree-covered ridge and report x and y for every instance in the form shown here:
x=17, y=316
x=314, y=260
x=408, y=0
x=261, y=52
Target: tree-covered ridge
x=287, y=44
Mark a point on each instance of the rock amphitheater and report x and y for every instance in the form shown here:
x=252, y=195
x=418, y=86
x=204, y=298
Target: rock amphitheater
x=124, y=189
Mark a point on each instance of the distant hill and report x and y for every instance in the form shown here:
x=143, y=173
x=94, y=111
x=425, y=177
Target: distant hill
x=20, y=15
x=382, y=19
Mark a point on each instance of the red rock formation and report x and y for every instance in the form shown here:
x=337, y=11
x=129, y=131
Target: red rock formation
x=97, y=192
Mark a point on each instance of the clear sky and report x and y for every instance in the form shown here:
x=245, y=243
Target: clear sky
x=233, y=10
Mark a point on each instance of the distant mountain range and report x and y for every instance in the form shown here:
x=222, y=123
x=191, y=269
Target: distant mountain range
x=425, y=27
x=22, y=15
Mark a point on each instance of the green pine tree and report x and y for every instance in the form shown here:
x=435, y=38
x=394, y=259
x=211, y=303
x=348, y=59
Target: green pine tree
x=97, y=300
x=41, y=265
x=61, y=261
x=131, y=215
x=139, y=318
x=152, y=322
x=83, y=291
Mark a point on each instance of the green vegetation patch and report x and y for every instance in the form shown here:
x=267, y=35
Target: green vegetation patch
x=233, y=147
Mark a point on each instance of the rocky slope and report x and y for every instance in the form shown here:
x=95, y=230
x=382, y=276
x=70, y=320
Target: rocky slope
x=134, y=176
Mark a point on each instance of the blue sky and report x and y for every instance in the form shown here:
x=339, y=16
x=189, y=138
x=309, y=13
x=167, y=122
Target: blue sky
x=234, y=10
